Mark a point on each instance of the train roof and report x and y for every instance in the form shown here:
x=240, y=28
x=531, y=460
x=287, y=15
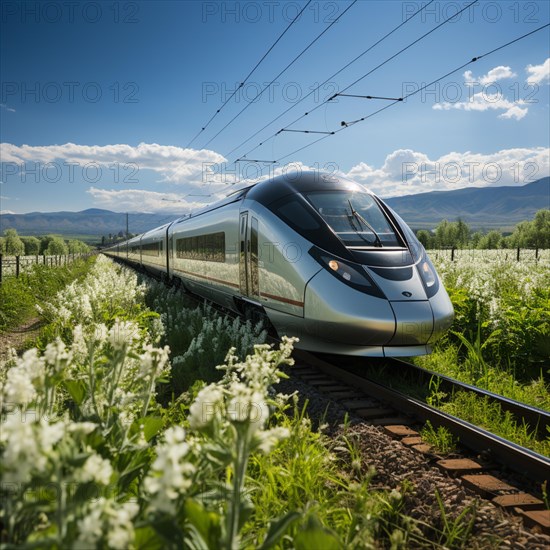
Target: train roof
x=268, y=191
x=272, y=189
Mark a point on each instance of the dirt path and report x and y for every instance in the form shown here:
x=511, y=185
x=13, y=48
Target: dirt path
x=16, y=338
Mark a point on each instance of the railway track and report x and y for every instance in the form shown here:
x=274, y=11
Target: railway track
x=535, y=419
x=396, y=411
x=344, y=380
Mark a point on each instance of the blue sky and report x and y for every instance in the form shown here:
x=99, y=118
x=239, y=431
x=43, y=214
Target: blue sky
x=99, y=100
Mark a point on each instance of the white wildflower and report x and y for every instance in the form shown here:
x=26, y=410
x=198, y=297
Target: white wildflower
x=96, y=469
x=100, y=333
x=18, y=388
x=79, y=348
x=269, y=439
x=153, y=361
x=121, y=529
x=27, y=445
x=82, y=427
x=50, y=434
x=57, y=355
x=170, y=474
x=247, y=405
x=126, y=417
x=21, y=452
x=123, y=334
x=90, y=527
x=205, y=406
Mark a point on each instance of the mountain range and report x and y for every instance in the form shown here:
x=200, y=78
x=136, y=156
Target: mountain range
x=481, y=208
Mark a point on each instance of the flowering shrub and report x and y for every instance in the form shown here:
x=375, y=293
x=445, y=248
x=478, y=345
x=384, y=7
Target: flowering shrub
x=89, y=459
x=198, y=336
x=507, y=301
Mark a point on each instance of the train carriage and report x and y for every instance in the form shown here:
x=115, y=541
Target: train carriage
x=318, y=255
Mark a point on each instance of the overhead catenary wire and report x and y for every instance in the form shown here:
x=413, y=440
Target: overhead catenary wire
x=244, y=81
x=364, y=52
x=332, y=76
x=402, y=50
x=346, y=125
x=280, y=74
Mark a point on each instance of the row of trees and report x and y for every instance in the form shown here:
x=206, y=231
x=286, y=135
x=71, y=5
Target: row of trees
x=527, y=234
x=11, y=244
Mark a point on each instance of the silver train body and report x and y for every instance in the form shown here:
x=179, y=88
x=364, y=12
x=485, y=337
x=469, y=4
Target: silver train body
x=323, y=258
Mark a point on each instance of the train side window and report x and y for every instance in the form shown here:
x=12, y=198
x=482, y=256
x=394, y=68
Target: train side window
x=210, y=248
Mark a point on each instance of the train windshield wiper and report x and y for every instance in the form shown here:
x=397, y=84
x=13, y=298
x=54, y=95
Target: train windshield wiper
x=362, y=220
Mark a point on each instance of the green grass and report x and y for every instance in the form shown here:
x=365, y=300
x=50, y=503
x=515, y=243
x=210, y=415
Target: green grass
x=325, y=479
x=441, y=438
x=199, y=336
x=489, y=415
x=447, y=360
x=19, y=296
x=470, y=366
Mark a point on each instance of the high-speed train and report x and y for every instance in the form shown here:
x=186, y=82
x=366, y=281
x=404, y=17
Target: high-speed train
x=319, y=255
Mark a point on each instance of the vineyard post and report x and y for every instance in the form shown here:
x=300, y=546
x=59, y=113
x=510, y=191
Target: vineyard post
x=517, y=255
x=453, y=254
x=17, y=266
x=1, y=259
x=537, y=253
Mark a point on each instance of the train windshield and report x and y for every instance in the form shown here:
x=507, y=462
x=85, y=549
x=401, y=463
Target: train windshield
x=355, y=217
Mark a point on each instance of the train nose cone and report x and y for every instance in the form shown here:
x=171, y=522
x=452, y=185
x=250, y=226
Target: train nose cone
x=414, y=323
x=413, y=314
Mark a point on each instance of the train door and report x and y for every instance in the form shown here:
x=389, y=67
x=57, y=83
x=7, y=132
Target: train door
x=253, y=259
x=248, y=256
x=243, y=254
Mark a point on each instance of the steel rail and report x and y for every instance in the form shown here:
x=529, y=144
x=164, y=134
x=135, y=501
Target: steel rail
x=523, y=461
x=537, y=419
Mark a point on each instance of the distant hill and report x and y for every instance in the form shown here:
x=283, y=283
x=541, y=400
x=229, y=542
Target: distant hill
x=481, y=208
x=93, y=221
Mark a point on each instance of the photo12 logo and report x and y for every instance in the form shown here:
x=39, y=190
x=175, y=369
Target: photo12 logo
x=69, y=92
x=69, y=12
x=71, y=172
x=470, y=91
x=470, y=172
x=254, y=171
x=490, y=12
x=251, y=92
x=271, y=12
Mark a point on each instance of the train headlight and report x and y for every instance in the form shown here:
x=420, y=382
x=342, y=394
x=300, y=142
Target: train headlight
x=428, y=276
x=349, y=273
x=427, y=273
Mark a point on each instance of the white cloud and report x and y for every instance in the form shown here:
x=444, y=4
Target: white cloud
x=140, y=200
x=483, y=101
x=407, y=172
x=539, y=73
x=498, y=73
x=6, y=212
x=217, y=186
x=487, y=99
x=4, y=106
x=175, y=164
